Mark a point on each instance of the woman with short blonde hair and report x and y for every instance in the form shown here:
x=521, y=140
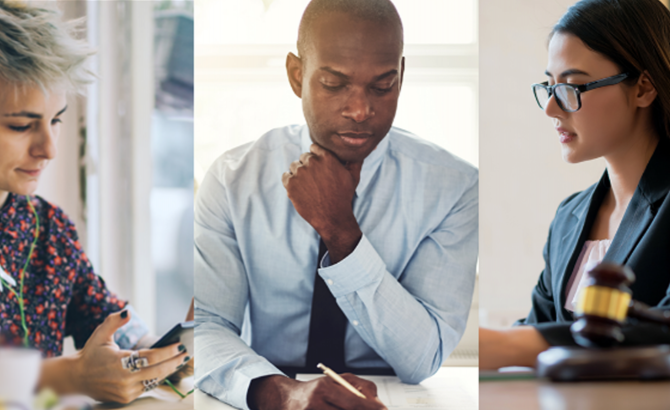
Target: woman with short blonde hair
x=49, y=288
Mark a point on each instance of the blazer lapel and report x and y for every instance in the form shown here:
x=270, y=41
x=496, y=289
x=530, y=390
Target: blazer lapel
x=573, y=241
x=634, y=224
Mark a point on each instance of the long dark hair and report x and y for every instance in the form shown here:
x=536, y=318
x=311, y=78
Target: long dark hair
x=634, y=34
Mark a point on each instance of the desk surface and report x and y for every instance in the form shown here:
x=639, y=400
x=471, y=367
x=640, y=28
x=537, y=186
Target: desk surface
x=459, y=384
x=161, y=398
x=538, y=394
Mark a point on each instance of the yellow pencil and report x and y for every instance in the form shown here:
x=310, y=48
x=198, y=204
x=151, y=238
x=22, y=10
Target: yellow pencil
x=328, y=372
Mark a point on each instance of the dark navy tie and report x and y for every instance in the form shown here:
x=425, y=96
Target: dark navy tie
x=327, y=326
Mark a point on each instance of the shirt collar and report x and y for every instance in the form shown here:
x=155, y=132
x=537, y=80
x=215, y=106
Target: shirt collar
x=370, y=164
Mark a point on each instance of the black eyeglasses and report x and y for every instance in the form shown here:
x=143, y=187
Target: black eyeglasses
x=568, y=95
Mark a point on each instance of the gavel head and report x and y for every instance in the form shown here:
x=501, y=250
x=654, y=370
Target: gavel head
x=602, y=306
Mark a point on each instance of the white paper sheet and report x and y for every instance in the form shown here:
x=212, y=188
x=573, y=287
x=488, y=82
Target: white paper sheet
x=450, y=388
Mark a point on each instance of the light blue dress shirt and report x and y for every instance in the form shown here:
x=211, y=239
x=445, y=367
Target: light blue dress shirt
x=405, y=289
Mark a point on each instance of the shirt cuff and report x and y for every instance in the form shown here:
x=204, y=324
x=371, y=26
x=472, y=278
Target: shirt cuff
x=234, y=392
x=362, y=267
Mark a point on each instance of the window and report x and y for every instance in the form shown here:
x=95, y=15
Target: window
x=243, y=92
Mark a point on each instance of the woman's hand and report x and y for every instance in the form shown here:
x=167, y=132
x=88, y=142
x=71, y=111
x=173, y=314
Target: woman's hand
x=188, y=369
x=97, y=370
x=518, y=346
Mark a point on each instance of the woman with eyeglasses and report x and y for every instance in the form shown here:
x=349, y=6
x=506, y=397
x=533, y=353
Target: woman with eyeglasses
x=608, y=95
x=48, y=288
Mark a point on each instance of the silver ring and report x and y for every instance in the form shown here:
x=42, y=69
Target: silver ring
x=134, y=362
x=150, y=384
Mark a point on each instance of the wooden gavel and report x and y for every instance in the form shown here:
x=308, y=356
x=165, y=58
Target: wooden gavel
x=605, y=303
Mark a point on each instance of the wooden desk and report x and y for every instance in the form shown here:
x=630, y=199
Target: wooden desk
x=543, y=395
x=460, y=382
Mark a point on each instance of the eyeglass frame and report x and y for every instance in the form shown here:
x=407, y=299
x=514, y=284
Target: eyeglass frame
x=579, y=89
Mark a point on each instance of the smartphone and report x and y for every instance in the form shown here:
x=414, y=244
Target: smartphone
x=181, y=333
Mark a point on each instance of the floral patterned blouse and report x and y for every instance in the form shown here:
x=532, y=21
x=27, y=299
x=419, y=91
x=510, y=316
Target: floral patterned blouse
x=62, y=294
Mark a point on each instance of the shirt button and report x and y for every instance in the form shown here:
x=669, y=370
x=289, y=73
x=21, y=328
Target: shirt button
x=330, y=281
x=355, y=322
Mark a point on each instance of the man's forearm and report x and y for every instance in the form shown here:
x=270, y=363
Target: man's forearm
x=390, y=319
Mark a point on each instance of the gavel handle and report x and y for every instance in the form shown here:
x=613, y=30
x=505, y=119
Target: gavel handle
x=639, y=310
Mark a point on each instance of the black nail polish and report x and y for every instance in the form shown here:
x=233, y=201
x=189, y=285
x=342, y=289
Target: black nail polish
x=124, y=314
x=187, y=358
x=182, y=348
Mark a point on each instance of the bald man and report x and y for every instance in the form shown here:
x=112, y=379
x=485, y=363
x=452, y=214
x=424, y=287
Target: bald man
x=346, y=241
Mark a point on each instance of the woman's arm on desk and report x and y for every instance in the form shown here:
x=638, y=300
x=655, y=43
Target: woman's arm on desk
x=518, y=346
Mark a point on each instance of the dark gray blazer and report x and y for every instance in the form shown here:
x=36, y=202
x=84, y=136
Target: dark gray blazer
x=642, y=242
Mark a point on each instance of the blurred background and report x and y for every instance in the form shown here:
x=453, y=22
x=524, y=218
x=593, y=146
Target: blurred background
x=243, y=91
x=124, y=170
x=523, y=178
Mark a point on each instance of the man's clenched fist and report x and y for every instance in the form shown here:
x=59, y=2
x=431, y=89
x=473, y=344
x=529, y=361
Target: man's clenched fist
x=322, y=191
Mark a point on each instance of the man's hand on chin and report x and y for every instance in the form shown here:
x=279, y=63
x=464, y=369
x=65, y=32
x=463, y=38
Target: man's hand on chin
x=322, y=190
x=282, y=393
